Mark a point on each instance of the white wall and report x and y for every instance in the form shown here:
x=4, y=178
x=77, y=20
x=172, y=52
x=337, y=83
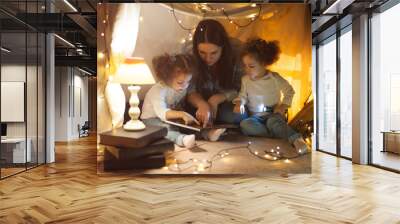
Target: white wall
x=71, y=94
x=33, y=127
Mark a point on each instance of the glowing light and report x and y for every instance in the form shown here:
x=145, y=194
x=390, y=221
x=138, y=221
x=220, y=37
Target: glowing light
x=126, y=29
x=100, y=55
x=195, y=160
x=231, y=21
x=102, y=34
x=180, y=21
x=256, y=152
x=104, y=21
x=141, y=19
x=287, y=160
x=254, y=5
x=200, y=167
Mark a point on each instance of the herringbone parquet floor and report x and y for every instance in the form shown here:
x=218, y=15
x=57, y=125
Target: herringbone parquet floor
x=70, y=191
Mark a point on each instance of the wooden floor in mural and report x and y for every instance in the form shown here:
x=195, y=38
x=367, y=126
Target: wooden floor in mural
x=231, y=155
x=71, y=191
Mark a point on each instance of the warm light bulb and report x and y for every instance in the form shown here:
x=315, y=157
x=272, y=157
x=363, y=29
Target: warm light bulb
x=141, y=19
x=104, y=21
x=231, y=21
x=272, y=150
x=195, y=160
x=254, y=5
x=256, y=152
x=102, y=34
x=180, y=21
x=287, y=161
x=100, y=55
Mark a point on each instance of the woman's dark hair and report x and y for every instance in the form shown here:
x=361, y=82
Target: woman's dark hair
x=211, y=31
x=266, y=52
x=167, y=66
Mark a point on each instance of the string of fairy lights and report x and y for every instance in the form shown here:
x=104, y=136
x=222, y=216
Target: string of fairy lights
x=252, y=17
x=222, y=11
x=201, y=165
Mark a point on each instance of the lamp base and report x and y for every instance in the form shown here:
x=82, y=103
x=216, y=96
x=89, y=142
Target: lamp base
x=134, y=125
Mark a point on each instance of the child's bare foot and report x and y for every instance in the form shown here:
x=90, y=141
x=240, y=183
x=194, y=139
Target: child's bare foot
x=189, y=141
x=300, y=146
x=214, y=134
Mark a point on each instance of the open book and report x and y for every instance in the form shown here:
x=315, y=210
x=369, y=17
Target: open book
x=195, y=127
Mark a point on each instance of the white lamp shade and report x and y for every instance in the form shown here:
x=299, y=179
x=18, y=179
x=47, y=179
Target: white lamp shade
x=134, y=71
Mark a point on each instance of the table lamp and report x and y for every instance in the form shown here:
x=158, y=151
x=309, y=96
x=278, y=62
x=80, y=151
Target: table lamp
x=135, y=72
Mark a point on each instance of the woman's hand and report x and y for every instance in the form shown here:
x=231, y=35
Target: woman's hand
x=239, y=108
x=188, y=119
x=281, y=109
x=214, y=101
x=203, y=113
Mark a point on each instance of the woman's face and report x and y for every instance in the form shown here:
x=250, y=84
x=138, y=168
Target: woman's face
x=181, y=81
x=209, y=53
x=253, y=68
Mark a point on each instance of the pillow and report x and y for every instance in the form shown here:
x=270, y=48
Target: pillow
x=116, y=103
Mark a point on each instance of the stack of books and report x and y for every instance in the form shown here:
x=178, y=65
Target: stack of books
x=135, y=150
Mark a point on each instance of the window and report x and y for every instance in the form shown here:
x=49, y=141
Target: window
x=327, y=96
x=385, y=87
x=346, y=93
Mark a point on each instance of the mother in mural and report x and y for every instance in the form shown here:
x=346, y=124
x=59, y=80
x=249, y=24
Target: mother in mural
x=217, y=80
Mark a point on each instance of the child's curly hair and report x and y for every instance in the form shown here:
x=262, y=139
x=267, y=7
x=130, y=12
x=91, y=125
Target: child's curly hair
x=167, y=66
x=266, y=52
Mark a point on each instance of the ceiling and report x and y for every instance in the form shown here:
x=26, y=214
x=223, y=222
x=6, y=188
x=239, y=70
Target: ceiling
x=76, y=21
